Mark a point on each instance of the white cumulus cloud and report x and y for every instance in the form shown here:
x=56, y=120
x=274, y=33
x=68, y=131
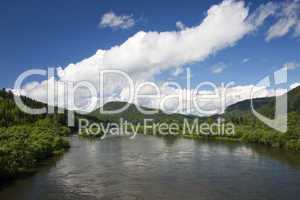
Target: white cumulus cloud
x=112, y=20
x=294, y=85
x=146, y=54
x=180, y=25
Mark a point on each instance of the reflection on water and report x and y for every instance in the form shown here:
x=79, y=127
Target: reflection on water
x=162, y=168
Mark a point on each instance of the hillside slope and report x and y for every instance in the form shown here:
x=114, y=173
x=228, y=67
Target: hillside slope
x=133, y=115
x=240, y=109
x=264, y=105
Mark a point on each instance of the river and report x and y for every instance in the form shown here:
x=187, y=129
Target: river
x=151, y=168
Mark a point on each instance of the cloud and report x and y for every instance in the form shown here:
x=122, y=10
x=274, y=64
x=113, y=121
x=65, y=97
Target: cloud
x=288, y=19
x=178, y=71
x=291, y=65
x=281, y=28
x=294, y=85
x=147, y=54
x=297, y=30
x=287, y=15
x=264, y=11
x=112, y=20
x=180, y=25
x=218, y=68
x=202, y=102
x=245, y=60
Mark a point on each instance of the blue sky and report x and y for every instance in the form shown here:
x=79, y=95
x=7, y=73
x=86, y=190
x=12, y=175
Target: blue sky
x=42, y=34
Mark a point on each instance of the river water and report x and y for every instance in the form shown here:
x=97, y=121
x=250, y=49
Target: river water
x=162, y=168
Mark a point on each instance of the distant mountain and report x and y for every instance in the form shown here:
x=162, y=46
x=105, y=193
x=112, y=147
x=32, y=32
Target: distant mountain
x=12, y=115
x=243, y=108
x=264, y=105
x=133, y=115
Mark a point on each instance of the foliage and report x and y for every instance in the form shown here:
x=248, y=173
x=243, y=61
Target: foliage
x=23, y=145
x=25, y=139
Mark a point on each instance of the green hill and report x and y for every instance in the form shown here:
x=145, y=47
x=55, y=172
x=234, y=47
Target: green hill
x=264, y=105
x=133, y=115
x=237, y=110
x=250, y=129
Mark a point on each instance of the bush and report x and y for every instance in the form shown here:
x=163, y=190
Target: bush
x=22, y=146
x=293, y=145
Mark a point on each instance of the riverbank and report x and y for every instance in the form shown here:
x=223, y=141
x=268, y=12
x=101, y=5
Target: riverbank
x=22, y=147
x=271, y=140
x=259, y=134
